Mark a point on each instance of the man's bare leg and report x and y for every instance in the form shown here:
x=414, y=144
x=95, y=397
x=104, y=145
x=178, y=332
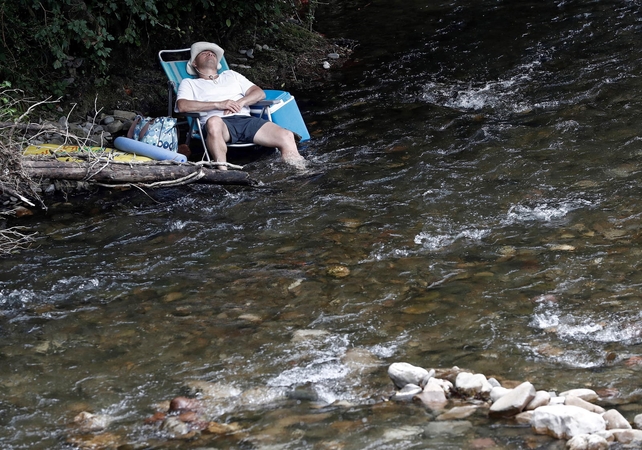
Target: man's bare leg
x=217, y=137
x=272, y=135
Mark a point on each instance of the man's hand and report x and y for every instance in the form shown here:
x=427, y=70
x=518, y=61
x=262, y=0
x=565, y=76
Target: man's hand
x=230, y=107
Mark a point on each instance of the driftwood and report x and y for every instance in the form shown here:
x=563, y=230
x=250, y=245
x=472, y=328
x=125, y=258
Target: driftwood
x=154, y=174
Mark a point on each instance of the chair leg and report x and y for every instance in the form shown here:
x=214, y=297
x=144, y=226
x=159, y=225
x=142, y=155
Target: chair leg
x=206, y=153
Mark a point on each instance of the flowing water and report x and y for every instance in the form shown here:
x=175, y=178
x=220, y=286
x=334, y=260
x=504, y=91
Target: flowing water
x=472, y=199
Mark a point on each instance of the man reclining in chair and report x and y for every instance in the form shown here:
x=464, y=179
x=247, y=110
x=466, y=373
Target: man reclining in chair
x=226, y=98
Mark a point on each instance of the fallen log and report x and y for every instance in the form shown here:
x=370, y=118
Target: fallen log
x=116, y=173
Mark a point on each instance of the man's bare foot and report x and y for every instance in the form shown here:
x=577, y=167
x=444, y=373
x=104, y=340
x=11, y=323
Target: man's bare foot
x=299, y=163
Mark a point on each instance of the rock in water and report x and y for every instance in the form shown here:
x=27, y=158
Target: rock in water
x=565, y=421
x=513, y=402
x=403, y=373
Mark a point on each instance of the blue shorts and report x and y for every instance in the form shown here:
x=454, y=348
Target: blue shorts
x=243, y=128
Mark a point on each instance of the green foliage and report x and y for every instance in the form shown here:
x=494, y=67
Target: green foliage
x=8, y=107
x=49, y=47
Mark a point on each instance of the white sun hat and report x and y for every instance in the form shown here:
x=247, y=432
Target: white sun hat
x=199, y=47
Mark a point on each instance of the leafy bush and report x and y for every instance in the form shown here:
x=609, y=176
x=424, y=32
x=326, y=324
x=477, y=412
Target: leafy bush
x=48, y=46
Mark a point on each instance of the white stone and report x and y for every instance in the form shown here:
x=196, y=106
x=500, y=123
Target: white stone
x=576, y=401
x=557, y=401
x=458, y=412
x=637, y=421
x=514, y=402
x=587, y=442
x=445, y=385
x=306, y=335
x=585, y=394
x=406, y=393
x=542, y=398
x=566, y=421
x=403, y=373
x=524, y=418
x=627, y=436
x=493, y=382
x=424, y=381
x=606, y=434
x=614, y=420
x=472, y=385
x=498, y=392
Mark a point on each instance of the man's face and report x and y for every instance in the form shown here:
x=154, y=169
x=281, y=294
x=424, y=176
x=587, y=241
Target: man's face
x=205, y=58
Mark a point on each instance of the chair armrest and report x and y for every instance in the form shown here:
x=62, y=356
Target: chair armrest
x=267, y=102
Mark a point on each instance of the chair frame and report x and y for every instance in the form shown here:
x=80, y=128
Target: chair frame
x=176, y=71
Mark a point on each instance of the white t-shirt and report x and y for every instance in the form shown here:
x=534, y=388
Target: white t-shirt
x=229, y=85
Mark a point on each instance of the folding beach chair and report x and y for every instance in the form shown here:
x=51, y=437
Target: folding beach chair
x=174, y=64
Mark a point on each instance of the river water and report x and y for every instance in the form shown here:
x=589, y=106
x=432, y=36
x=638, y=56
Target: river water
x=472, y=199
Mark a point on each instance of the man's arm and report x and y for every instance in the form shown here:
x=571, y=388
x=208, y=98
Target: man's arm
x=253, y=95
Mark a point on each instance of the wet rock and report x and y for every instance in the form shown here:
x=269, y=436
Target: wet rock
x=86, y=421
x=576, y=401
x=156, y=418
x=306, y=335
x=338, y=271
x=498, y=392
x=514, y=402
x=175, y=426
x=627, y=436
x=565, y=421
x=433, y=396
x=179, y=404
x=360, y=359
x=587, y=442
x=211, y=390
x=614, y=420
x=221, y=428
x=472, y=385
x=253, y=318
x=427, y=378
x=542, y=398
x=304, y=393
x=458, y=412
x=403, y=373
x=457, y=427
x=403, y=432
x=585, y=394
x=406, y=393
x=96, y=441
x=524, y=418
